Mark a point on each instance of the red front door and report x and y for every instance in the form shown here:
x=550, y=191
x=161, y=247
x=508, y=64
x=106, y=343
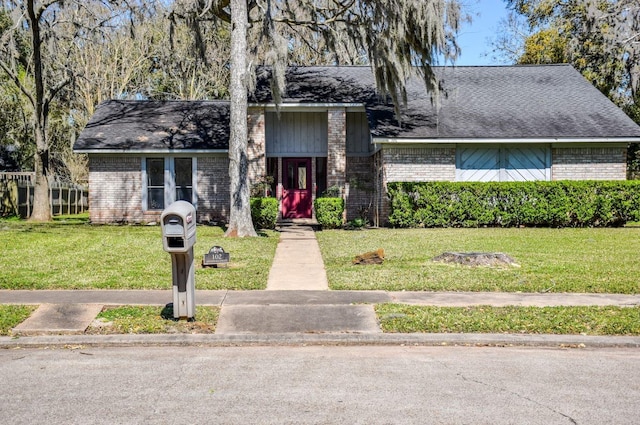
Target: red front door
x=296, y=184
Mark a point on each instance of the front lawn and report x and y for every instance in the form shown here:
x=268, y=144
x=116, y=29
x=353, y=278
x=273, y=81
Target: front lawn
x=551, y=260
x=71, y=255
x=532, y=320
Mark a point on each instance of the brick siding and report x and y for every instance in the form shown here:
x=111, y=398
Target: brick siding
x=360, y=176
x=115, y=189
x=419, y=164
x=256, y=146
x=588, y=163
x=336, y=153
x=412, y=165
x=213, y=188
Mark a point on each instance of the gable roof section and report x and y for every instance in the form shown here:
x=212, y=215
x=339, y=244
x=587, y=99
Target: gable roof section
x=542, y=103
x=499, y=102
x=156, y=126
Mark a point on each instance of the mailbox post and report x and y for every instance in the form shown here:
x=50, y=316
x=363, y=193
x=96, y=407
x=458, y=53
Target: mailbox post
x=178, y=223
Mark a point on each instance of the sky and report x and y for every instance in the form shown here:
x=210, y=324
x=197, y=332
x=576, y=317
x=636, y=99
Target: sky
x=475, y=38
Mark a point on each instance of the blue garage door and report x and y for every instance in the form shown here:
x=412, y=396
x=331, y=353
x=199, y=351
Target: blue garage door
x=504, y=163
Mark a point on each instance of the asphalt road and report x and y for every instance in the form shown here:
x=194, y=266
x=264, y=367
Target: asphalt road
x=320, y=385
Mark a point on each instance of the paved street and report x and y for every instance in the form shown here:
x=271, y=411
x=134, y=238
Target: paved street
x=320, y=385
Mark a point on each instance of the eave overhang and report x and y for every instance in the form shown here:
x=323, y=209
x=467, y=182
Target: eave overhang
x=510, y=141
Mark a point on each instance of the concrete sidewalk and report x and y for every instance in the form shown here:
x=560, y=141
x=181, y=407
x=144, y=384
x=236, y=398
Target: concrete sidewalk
x=295, y=307
x=225, y=298
x=290, y=317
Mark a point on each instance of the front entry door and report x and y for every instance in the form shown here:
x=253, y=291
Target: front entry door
x=296, y=184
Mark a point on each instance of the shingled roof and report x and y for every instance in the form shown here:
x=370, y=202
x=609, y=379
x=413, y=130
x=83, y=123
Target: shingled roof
x=548, y=102
x=490, y=102
x=149, y=126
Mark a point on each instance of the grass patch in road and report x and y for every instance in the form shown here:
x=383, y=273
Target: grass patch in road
x=551, y=260
x=12, y=315
x=531, y=320
x=152, y=320
x=67, y=254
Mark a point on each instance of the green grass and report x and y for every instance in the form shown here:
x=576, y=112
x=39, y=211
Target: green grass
x=12, y=315
x=531, y=320
x=551, y=260
x=152, y=320
x=71, y=254
x=67, y=254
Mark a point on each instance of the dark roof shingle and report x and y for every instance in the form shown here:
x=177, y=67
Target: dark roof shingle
x=156, y=126
x=490, y=102
x=503, y=102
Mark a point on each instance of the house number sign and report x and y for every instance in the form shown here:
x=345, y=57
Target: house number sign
x=215, y=257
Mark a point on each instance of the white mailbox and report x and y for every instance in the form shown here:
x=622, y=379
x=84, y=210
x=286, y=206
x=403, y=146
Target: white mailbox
x=178, y=227
x=178, y=237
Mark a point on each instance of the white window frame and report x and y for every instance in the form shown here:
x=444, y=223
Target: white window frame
x=169, y=182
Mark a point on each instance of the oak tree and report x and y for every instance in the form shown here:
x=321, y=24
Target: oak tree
x=395, y=37
x=34, y=52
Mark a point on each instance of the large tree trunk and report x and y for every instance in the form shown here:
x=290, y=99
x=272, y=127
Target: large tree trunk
x=41, y=211
x=41, y=208
x=240, y=223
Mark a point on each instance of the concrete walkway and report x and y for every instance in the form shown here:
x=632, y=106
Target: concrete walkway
x=297, y=264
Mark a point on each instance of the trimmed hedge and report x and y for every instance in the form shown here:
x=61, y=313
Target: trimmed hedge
x=512, y=204
x=264, y=212
x=329, y=212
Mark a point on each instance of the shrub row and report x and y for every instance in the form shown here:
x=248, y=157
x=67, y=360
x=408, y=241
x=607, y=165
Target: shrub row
x=264, y=212
x=329, y=212
x=552, y=204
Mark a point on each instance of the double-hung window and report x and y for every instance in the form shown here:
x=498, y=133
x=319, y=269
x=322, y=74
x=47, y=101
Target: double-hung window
x=166, y=180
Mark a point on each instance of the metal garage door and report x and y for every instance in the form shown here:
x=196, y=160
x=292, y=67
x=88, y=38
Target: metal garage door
x=504, y=163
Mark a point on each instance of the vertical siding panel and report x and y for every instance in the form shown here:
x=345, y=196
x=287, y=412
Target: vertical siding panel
x=289, y=133
x=315, y=133
x=357, y=133
x=296, y=133
x=293, y=124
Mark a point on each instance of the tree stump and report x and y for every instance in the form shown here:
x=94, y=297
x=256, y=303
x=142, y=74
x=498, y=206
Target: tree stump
x=476, y=259
x=373, y=257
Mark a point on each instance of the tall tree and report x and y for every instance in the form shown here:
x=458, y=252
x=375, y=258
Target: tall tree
x=600, y=38
x=507, y=46
x=33, y=53
x=396, y=37
x=619, y=23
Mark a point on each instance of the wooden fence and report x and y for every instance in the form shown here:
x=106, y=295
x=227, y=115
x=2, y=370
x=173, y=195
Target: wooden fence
x=16, y=196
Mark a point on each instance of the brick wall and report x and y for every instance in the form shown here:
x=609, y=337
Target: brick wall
x=589, y=163
x=213, y=188
x=419, y=164
x=361, y=178
x=411, y=165
x=256, y=145
x=336, y=153
x=115, y=189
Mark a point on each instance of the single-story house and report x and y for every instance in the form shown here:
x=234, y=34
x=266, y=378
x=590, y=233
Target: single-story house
x=333, y=130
